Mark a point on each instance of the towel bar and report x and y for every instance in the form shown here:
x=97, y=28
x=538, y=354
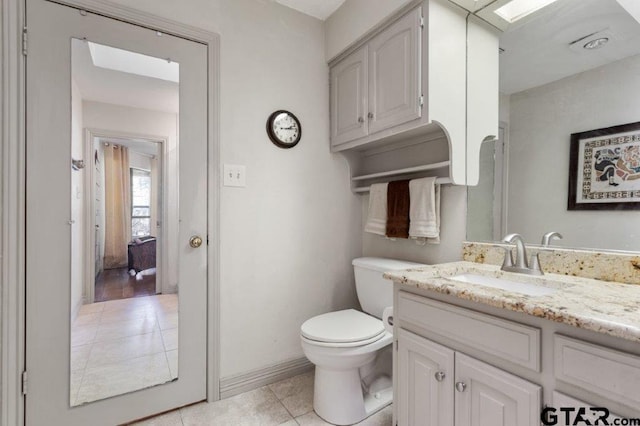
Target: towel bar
x=439, y=181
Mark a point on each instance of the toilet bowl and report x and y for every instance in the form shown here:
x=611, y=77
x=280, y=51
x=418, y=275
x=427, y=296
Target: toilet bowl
x=353, y=377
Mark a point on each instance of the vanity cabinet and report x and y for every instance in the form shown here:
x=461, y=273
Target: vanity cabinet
x=378, y=86
x=437, y=385
x=461, y=363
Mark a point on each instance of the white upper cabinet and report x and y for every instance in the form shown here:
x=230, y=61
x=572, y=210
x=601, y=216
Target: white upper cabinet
x=394, y=74
x=349, y=98
x=406, y=80
x=378, y=86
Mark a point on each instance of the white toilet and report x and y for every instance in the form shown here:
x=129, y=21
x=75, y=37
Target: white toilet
x=351, y=349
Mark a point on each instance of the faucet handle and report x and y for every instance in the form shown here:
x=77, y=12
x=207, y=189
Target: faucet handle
x=546, y=238
x=508, y=256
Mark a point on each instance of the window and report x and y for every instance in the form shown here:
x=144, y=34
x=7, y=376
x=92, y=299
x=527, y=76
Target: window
x=140, y=203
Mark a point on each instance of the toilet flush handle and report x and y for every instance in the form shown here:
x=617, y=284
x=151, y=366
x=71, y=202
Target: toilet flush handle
x=390, y=320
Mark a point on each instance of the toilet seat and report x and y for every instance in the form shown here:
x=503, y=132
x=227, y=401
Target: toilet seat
x=345, y=328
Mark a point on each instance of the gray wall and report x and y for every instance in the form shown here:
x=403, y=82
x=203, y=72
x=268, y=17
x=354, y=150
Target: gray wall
x=541, y=122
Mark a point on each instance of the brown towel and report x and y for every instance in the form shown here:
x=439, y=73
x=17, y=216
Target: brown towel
x=398, y=209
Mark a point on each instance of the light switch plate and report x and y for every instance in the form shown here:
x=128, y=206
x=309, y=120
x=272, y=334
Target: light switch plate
x=234, y=175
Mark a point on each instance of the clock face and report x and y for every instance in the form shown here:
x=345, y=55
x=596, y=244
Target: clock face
x=284, y=129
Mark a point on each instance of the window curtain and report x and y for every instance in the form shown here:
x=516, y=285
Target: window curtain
x=117, y=206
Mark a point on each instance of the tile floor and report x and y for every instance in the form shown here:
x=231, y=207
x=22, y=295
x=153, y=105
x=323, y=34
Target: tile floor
x=286, y=403
x=123, y=345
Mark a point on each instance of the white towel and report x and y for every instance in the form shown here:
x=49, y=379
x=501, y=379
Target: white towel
x=424, y=210
x=377, y=216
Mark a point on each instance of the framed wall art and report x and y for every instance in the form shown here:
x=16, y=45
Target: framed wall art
x=604, y=169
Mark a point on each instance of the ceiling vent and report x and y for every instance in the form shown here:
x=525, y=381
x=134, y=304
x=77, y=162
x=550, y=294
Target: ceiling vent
x=592, y=41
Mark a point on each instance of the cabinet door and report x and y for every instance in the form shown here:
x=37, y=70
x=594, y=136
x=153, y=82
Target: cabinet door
x=394, y=73
x=487, y=396
x=349, y=98
x=425, y=382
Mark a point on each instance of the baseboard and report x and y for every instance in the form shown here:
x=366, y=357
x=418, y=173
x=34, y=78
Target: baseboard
x=240, y=383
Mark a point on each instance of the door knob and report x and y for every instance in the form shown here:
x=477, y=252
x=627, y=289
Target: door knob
x=461, y=386
x=195, y=241
x=440, y=376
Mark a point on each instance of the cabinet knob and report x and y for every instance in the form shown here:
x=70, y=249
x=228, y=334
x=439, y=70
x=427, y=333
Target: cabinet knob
x=440, y=376
x=360, y=120
x=461, y=386
x=370, y=116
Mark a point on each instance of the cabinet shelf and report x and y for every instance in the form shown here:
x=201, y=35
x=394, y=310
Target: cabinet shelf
x=404, y=171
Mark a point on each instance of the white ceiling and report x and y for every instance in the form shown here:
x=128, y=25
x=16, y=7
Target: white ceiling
x=120, y=88
x=320, y=9
x=539, y=51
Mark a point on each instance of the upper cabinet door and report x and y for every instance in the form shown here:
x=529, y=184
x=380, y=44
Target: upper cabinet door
x=394, y=73
x=487, y=396
x=425, y=382
x=349, y=98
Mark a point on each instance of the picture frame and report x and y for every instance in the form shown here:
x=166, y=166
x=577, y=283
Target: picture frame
x=604, y=169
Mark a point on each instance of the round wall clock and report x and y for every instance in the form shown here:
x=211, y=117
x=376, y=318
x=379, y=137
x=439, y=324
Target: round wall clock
x=284, y=129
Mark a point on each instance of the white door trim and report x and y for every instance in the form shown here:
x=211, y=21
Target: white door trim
x=12, y=201
x=89, y=184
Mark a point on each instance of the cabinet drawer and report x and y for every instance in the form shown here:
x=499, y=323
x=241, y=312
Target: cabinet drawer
x=613, y=375
x=507, y=340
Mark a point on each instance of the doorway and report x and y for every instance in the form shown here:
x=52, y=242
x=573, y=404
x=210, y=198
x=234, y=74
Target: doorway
x=53, y=221
x=138, y=268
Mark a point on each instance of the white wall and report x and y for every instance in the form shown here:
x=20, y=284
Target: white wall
x=151, y=123
x=288, y=238
x=78, y=251
x=541, y=123
x=353, y=19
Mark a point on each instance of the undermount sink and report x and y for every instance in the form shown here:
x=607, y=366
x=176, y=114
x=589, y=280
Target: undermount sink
x=504, y=284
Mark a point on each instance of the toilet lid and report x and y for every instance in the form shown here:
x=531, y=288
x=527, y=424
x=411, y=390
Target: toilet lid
x=342, y=327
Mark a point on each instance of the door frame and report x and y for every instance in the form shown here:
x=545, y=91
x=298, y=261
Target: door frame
x=89, y=208
x=13, y=189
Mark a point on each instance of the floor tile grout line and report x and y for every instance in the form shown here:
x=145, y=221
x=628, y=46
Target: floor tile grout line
x=280, y=402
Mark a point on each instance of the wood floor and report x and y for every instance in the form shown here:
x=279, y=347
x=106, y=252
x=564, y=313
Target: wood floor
x=114, y=284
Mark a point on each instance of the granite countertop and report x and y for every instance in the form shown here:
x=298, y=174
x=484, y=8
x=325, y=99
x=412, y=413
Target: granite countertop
x=600, y=306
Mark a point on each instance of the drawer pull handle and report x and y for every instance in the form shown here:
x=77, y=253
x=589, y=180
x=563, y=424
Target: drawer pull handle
x=440, y=376
x=461, y=386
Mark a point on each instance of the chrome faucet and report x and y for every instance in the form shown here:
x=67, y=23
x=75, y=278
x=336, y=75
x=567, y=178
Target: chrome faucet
x=521, y=263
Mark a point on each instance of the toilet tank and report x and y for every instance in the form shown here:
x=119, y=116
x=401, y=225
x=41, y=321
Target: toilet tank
x=374, y=292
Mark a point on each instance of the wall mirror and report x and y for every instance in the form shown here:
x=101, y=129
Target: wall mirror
x=573, y=67
x=124, y=319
